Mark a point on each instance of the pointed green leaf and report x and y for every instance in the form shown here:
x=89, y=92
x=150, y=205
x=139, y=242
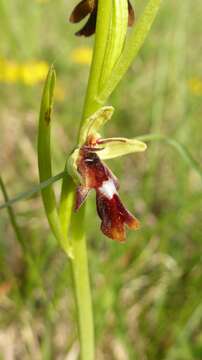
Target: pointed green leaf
x=116, y=147
x=44, y=157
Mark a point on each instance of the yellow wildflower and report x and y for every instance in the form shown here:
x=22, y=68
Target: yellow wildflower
x=195, y=86
x=28, y=73
x=82, y=55
x=33, y=72
x=9, y=71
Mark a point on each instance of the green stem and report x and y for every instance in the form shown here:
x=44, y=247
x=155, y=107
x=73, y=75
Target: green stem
x=82, y=287
x=79, y=259
x=74, y=228
x=66, y=203
x=100, y=43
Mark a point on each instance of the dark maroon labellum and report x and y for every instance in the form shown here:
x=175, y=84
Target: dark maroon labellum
x=96, y=175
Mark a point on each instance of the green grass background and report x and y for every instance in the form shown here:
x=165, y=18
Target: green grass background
x=147, y=293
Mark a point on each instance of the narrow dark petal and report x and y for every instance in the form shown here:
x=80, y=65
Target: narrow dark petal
x=108, y=140
x=114, y=216
x=80, y=11
x=89, y=27
x=81, y=195
x=131, y=14
x=93, y=149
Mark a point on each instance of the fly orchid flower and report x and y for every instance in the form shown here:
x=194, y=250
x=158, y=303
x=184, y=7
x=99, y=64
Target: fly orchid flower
x=89, y=172
x=89, y=7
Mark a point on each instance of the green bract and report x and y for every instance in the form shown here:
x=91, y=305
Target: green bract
x=94, y=122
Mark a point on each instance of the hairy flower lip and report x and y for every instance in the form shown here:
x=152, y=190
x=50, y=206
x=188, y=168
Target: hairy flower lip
x=96, y=175
x=114, y=217
x=89, y=7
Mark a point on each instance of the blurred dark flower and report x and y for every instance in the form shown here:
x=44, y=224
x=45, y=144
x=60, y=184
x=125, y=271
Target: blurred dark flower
x=89, y=7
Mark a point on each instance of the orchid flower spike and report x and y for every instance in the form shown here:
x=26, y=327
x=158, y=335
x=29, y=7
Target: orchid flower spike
x=89, y=7
x=86, y=167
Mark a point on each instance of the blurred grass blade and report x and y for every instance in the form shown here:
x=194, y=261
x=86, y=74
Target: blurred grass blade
x=44, y=156
x=12, y=217
x=182, y=150
x=29, y=258
x=131, y=49
x=35, y=189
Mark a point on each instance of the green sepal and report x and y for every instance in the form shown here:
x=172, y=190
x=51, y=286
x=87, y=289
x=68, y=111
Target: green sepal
x=95, y=122
x=115, y=147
